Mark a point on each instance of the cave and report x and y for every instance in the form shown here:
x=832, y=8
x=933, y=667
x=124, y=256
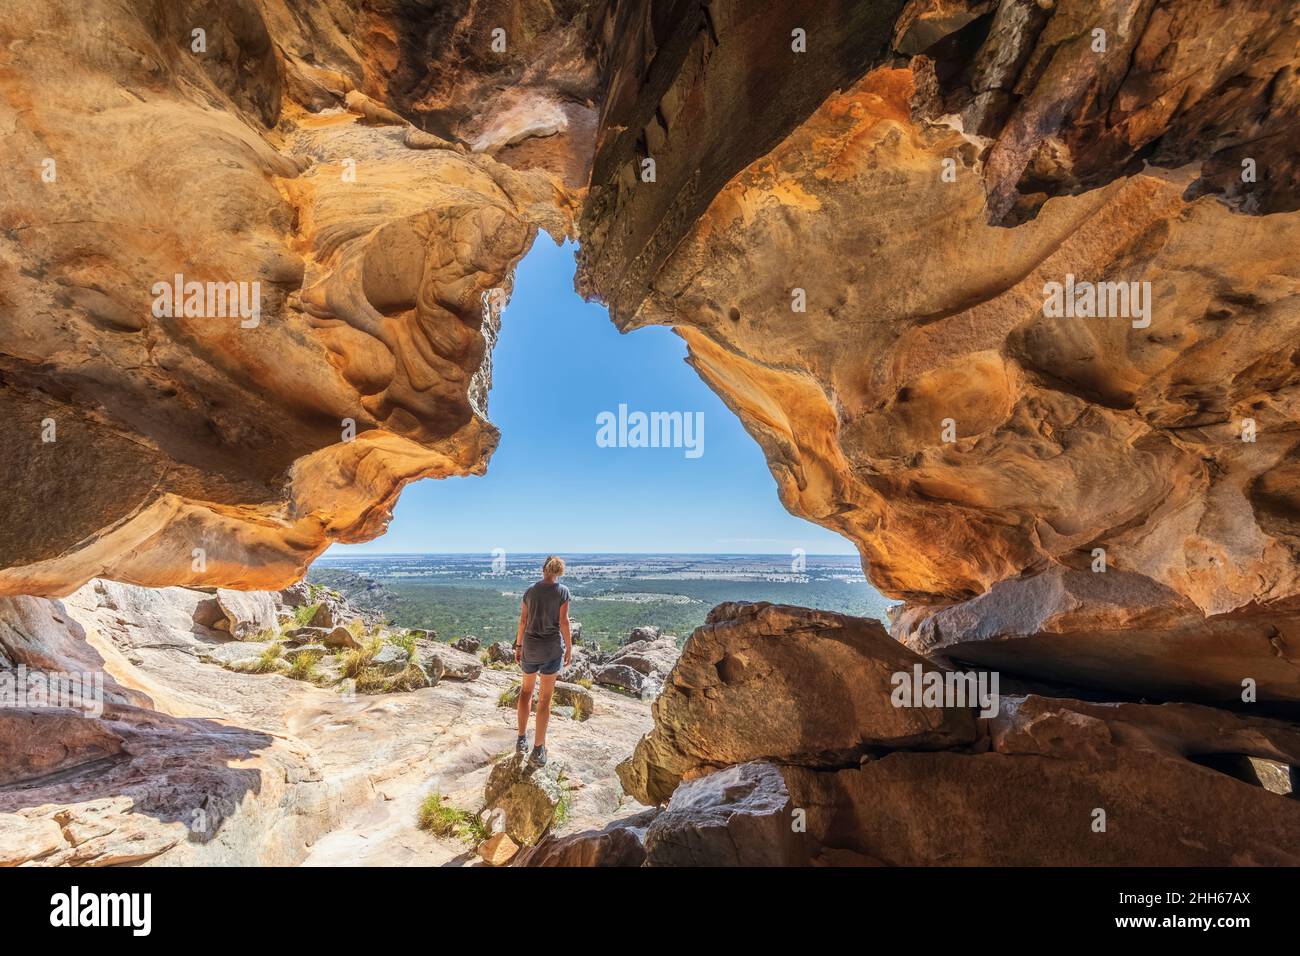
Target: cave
x=853, y=214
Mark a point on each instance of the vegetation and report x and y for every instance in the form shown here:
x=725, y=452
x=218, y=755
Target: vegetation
x=303, y=667
x=302, y=615
x=442, y=820
x=608, y=609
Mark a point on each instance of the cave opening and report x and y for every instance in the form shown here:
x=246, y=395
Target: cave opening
x=615, y=454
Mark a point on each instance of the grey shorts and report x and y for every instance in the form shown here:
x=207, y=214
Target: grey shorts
x=548, y=668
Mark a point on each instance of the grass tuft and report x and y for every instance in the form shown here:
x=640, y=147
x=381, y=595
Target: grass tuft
x=442, y=820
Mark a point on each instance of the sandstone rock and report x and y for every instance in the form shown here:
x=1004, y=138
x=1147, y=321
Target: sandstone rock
x=620, y=677
x=328, y=616
x=497, y=849
x=413, y=138
x=340, y=638
x=390, y=659
x=1116, y=631
x=1068, y=434
x=652, y=657
x=316, y=651
x=501, y=652
x=296, y=595
x=245, y=614
x=621, y=843
x=24, y=840
x=308, y=635
x=739, y=816
x=648, y=633
x=223, y=430
x=371, y=111
x=447, y=661
x=762, y=681
x=579, y=670
x=528, y=796
x=192, y=789
x=466, y=644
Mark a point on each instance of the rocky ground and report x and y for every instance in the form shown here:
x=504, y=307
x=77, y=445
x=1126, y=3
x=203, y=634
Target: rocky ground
x=204, y=757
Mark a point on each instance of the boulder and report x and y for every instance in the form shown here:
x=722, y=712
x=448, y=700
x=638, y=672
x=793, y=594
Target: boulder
x=647, y=633
x=236, y=654
x=296, y=595
x=245, y=614
x=468, y=644
x=578, y=670
x=328, y=615
x=502, y=652
x=307, y=635
x=291, y=654
x=739, y=816
x=655, y=657
x=763, y=681
x=1116, y=631
x=619, y=677
x=498, y=849
x=1064, y=782
x=341, y=638
x=528, y=797
x=620, y=843
x=421, y=634
x=447, y=660
x=390, y=659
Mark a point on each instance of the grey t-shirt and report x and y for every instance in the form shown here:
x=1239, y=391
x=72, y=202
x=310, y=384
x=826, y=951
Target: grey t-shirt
x=542, y=639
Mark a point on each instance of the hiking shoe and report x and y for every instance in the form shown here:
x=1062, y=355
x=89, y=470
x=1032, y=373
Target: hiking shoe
x=538, y=756
x=521, y=744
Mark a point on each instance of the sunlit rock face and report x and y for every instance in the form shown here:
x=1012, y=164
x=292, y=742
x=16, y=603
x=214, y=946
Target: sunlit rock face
x=340, y=273
x=927, y=402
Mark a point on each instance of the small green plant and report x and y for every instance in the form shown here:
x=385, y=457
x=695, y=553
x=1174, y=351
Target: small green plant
x=303, y=667
x=509, y=697
x=442, y=820
x=405, y=640
x=302, y=615
x=266, y=634
x=357, y=628
x=563, y=810
x=584, y=682
x=265, y=663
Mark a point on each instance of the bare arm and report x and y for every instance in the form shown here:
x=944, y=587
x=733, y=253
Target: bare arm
x=519, y=633
x=564, y=629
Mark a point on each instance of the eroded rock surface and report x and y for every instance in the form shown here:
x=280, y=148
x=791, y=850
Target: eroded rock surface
x=1045, y=781
x=197, y=442
x=859, y=270
x=783, y=683
x=191, y=761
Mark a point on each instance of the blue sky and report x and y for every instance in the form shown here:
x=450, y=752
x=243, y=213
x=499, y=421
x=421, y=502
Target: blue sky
x=549, y=487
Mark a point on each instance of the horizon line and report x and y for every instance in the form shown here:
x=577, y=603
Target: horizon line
x=686, y=554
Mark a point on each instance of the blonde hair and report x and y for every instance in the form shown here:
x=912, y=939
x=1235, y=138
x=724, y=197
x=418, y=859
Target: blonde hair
x=553, y=565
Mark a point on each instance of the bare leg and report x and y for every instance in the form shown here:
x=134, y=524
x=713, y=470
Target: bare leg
x=544, y=707
x=526, y=703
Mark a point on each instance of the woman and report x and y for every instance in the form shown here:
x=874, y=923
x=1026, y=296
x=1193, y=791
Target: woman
x=543, y=622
